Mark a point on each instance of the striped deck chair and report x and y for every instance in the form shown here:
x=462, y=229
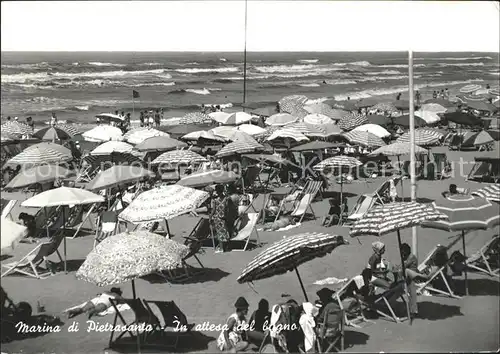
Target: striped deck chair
x=313, y=187
x=107, y=225
x=383, y=189
x=382, y=301
x=247, y=226
x=364, y=203
x=353, y=321
x=486, y=259
x=303, y=200
x=302, y=206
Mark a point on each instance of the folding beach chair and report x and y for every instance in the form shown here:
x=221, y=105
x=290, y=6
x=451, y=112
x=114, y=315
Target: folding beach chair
x=440, y=272
x=456, y=142
x=173, y=318
x=314, y=187
x=349, y=320
x=381, y=302
x=365, y=202
x=382, y=192
x=30, y=264
x=249, y=177
x=80, y=219
x=302, y=206
x=107, y=225
x=303, y=200
x=486, y=259
x=246, y=227
x=330, y=332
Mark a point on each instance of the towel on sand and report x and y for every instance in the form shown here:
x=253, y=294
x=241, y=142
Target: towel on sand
x=282, y=229
x=108, y=311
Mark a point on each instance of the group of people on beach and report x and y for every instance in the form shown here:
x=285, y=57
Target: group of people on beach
x=151, y=118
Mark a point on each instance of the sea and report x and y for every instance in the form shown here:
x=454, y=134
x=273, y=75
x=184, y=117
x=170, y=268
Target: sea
x=79, y=85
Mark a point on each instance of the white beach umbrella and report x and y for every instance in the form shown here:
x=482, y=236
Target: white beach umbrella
x=280, y=119
x=103, y=133
x=317, y=118
x=110, y=116
x=223, y=131
x=288, y=133
x=237, y=118
x=139, y=136
x=250, y=129
x=11, y=234
x=375, y=129
x=112, y=146
x=219, y=117
x=433, y=107
x=429, y=117
x=201, y=134
x=470, y=88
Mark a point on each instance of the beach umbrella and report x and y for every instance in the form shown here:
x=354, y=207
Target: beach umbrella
x=397, y=149
x=481, y=106
x=219, y=117
x=287, y=254
x=71, y=129
x=442, y=102
x=243, y=144
x=6, y=137
x=351, y=121
x=402, y=105
x=433, y=107
x=347, y=105
x=237, y=118
x=11, y=234
x=16, y=129
x=208, y=178
x=280, y=119
x=138, y=136
x=490, y=192
x=37, y=156
x=470, y=88
x=39, y=174
x=325, y=110
x=250, y=129
x=308, y=130
x=195, y=118
x=378, y=119
x=462, y=118
x=112, y=146
x=387, y=107
x=110, y=117
x=175, y=157
x=314, y=145
x=118, y=175
x=364, y=138
x=428, y=117
x=52, y=146
x=180, y=130
x=52, y=134
x=104, y=161
x=159, y=143
x=265, y=111
x=384, y=219
x=470, y=97
x=289, y=104
x=423, y=137
x=317, y=118
x=326, y=130
x=464, y=213
x=62, y=196
x=103, y=133
x=285, y=133
x=203, y=135
x=223, y=131
x=165, y=202
x=495, y=91
x=404, y=121
x=366, y=102
x=477, y=139
x=374, y=129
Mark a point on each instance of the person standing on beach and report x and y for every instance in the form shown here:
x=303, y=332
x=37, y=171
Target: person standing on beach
x=447, y=94
x=434, y=94
x=417, y=98
x=30, y=123
x=8, y=119
x=53, y=119
x=141, y=118
x=157, y=118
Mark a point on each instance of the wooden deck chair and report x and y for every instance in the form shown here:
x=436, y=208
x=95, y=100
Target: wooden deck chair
x=142, y=316
x=173, y=318
x=30, y=264
x=313, y=187
x=107, y=225
x=365, y=202
x=380, y=192
x=483, y=259
x=382, y=300
x=83, y=219
x=247, y=226
x=456, y=142
x=302, y=206
x=360, y=317
x=330, y=332
x=427, y=285
x=249, y=177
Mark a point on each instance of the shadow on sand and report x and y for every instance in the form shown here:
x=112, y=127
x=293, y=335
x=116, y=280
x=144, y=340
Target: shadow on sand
x=433, y=311
x=478, y=287
x=336, y=194
x=196, y=275
x=72, y=265
x=353, y=338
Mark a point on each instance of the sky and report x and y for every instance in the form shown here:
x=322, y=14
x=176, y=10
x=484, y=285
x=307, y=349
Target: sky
x=271, y=26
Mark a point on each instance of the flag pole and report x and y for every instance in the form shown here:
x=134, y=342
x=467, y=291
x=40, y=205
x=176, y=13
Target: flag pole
x=133, y=105
x=245, y=60
x=413, y=180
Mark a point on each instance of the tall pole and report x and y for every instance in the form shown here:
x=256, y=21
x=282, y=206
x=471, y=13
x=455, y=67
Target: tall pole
x=414, y=242
x=245, y=59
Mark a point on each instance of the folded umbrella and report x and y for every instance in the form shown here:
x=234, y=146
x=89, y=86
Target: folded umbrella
x=16, y=129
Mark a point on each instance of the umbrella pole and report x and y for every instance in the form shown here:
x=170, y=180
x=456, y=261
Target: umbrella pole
x=133, y=289
x=64, y=236
x=168, y=229
x=465, y=269
x=341, y=200
x=402, y=186
x=301, y=284
x=403, y=269
x=137, y=331
x=46, y=222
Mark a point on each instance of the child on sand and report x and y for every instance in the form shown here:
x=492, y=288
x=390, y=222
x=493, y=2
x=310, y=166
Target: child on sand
x=97, y=305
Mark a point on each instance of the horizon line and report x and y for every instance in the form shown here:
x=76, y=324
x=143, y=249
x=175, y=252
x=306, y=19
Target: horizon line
x=248, y=51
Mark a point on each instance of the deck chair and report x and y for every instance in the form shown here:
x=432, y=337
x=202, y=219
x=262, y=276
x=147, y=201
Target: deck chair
x=173, y=318
x=246, y=227
x=382, y=300
x=330, y=332
x=302, y=206
x=303, y=200
x=313, y=187
x=249, y=177
x=80, y=220
x=486, y=259
x=380, y=192
x=427, y=285
x=353, y=321
x=365, y=202
x=456, y=142
x=107, y=225
x=30, y=264
x=142, y=316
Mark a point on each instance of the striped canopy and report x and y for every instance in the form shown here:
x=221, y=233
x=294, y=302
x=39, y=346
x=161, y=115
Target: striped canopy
x=306, y=129
x=112, y=159
x=16, y=129
x=179, y=157
x=327, y=130
x=130, y=255
x=195, y=118
x=351, y=121
x=38, y=174
x=317, y=118
x=52, y=133
x=164, y=202
x=384, y=219
x=397, y=149
x=466, y=212
x=112, y=146
x=138, y=136
x=53, y=146
x=159, y=143
x=267, y=133
x=470, y=88
x=470, y=97
x=287, y=254
x=37, y=156
x=118, y=175
x=374, y=129
x=364, y=138
x=103, y=133
x=243, y=144
x=423, y=137
x=490, y=192
x=280, y=119
x=287, y=133
x=290, y=104
x=338, y=161
x=71, y=129
x=387, y=107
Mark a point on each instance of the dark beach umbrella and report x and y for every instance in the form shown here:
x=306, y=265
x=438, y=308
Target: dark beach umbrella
x=118, y=175
x=481, y=106
x=208, y=178
x=494, y=133
x=403, y=105
x=52, y=133
x=181, y=130
x=39, y=174
x=265, y=111
x=378, y=119
x=404, y=121
x=315, y=145
x=159, y=143
x=462, y=118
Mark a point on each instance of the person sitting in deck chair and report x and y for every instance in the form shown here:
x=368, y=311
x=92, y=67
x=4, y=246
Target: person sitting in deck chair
x=97, y=305
x=231, y=337
x=334, y=212
x=380, y=267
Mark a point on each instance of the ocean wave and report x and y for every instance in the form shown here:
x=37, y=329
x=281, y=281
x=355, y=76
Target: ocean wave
x=82, y=108
x=309, y=85
x=308, y=61
x=207, y=70
x=401, y=66
x=341, y=82
x=307, y=67
x=146, y=84
x=98, y=63
x=385, y=72
x=457, y=59
x=203, y=91
x=460, y=64
x=495, y=73
x=150, y=64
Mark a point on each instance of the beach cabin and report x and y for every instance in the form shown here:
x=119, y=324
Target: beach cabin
x=485, y=169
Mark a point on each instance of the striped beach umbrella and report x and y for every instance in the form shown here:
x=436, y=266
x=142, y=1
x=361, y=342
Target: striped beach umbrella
x=351, y=121
x=477, y=139
x=308, y=130
x=470, y=88
x=203, y=179
x=387, y=107
x=237, y=118
x=423, y=137
x=107, y=160
x=289, y=104
x=465, y=212
x=71, y=129
x=338, y=161
x=195, y=118
x=203, y=135
x=103, y=133
x=495, y=91
x=138, y=136
x=38, y=174
x=243, y=144
x=317, y=118
x=326, y=110
x=37, y=156
x=52, y=146
x=397, y=149
x=179, y=157
x=364, y=138
x=287, y=254
x=375, y=129
x=159, y=143
x=51, y=134
x=280, y=119
x=287, y=133
x=267, y=133
x=112, y=146
x=16, y=129
x=491, y=192
x=130, y=255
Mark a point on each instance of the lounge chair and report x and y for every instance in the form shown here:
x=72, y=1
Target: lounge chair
x=246, y=227
x=30, y=264
x=249, y=177
x=486, y=259
x=382, y=300
x=107, y=225
x=382, y=191
x=303, y=199
x=365, y=202
x=302, y=206
x=330, y=332
x=348, y=319
x=456, y=142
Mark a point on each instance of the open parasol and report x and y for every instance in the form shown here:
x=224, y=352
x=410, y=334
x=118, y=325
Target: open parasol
x=351, y=121
x=207, y=178
x=364, y=138
x=195, y=118
x=423, y=137
x=112, y=146
x=159, y=143
x=243, y=144
x=490, y=192
x=11, y=234
x=179, y=157
x=52, y=134
x=39, y=174
x=138, y=136
x=280, y=119
x=118, y=175
x=103, y=133
x=37, y=156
